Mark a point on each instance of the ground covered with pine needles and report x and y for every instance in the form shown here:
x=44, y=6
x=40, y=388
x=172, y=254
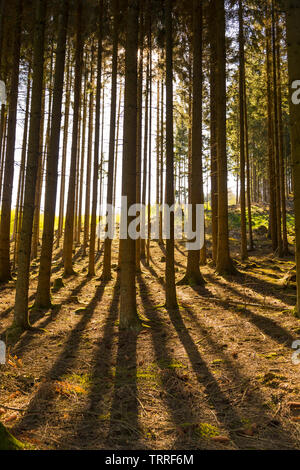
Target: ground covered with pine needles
x=215, y=374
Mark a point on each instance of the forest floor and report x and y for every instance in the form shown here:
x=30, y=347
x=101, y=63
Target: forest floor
x=215, y=374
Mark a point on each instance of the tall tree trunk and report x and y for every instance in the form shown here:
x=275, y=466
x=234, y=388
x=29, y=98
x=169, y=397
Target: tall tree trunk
x=82, y=160
x=145, y=159
x=91, y=271
x=171, y=298
x=21, y=319
x=293, y=47
x=244, y=252
x=64, y=151
x=285, y=245
x=69, y=223
x=38, y=188
x=213, y=136
x=89, y=156
x=193, y=275
x=272, y=218
x=19, y=209
x=224, y=262
x=161, y=162
x=5, y=268
x=150, y=141
x=128, y=311
x=43, y=296
x=106, y=275
x=251, y=245
x=139, y=132
x=276, y=137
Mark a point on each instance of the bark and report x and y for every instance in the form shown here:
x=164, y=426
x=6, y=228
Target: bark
x=43, y=297
x=89, y=157
x=128, y=311
x=5, y=267
x=276, y=138
x=106, y=275
x=21, y=319
x=83, y=133
x=244, y=252
x=193, y=275
x=293, y=48
x=272, y=220
x=139, y=133
x=224, y=263
x=69, y=222
x=171, y=298
x=64, y=151
x=20, y=197
x=91, y=270
x=213, y=137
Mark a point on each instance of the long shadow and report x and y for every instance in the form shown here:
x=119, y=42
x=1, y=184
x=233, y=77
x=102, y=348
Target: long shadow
x=6, y=312
x=37, y=314
x=181, y=404
x=233, y=369
x=124, y=426
x=267, y=325
x=258, y=286
x=86, y=429
x=43, y=402
x=225, y=411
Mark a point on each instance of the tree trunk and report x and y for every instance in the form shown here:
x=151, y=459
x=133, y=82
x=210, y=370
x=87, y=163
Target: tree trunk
x=128, y=312
x=106, y=275
x=7, y=441
x=244, y=252
x=64, y=151
x=213, y=137
x=21, y=301
x=293, y=47
x=193, y=275
x=89, y=157
x=69, y=223
x=224, y=263
x=5, y=268
x=91, y=271
x=43, y=297
x=171, y=298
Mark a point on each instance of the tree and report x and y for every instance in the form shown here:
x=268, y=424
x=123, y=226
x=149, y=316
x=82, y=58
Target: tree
x=171, y=298
x=293, y=48
x=21, y=319
x=224, y=262
x=128, y=312
x=69, y=223
x=193, y=275
x=5, y=268
x=106, y=275
x=43, y=297
x=91, y=270
x=244, y=252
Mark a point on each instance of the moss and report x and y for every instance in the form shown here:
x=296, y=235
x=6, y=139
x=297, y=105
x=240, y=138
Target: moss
x=7, y=441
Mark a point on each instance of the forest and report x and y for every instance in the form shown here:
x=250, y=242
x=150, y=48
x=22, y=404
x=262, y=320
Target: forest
x=149, y=225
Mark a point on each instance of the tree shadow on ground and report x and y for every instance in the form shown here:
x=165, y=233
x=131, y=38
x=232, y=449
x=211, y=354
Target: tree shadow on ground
x=43, y=403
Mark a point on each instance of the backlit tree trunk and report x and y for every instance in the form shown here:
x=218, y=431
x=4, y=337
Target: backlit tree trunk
x=43, y=297
x=128, y=311
x=21, y=301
